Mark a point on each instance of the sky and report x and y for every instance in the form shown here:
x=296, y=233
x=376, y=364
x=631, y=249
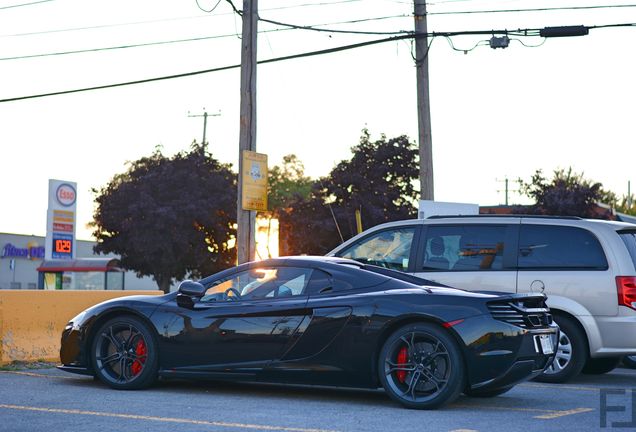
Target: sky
x=496, y=114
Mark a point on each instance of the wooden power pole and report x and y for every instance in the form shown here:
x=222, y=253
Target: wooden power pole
x=423, y=103
x=245, y=237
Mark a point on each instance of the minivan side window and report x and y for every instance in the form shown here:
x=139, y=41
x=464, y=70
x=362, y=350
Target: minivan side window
x=559, y=247
x=464, y=248
x=389, y=248
x=629, y=238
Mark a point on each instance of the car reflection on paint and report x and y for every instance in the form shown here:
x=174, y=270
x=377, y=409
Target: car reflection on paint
x=318, y=320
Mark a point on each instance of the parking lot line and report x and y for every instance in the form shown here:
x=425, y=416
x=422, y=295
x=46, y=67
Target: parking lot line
x=162, y=419
x=558, y=414
x=566, y=387
x=547, y=414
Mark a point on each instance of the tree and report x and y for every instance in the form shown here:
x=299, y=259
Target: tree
x=287, y=182
x=169, y=217
x=378, y=180
x=566, y=194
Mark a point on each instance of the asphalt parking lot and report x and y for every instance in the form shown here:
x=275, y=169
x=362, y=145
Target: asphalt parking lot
x=52, y=400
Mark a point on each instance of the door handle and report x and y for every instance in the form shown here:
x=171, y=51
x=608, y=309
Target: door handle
x=537, y=286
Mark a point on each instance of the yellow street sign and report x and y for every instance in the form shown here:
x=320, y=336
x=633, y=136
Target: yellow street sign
x=254, y=181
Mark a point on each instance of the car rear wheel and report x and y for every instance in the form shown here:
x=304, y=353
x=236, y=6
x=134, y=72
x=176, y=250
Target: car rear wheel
x=124, y=354
x=487, y=393
x=571, y=353
x=421, y=367
x=600, y=366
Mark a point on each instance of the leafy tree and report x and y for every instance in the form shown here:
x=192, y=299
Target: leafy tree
x=169, y=217
x=378, y=180
x=627, y=205
x=566, y=194
x=286, y=182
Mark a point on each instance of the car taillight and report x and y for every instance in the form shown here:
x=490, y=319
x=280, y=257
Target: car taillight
x=626, y=286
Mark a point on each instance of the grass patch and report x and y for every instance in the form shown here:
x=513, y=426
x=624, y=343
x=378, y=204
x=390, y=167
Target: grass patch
x=25, y=365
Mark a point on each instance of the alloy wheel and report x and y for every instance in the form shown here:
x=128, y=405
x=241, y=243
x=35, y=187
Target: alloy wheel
x=417, y=367
x=121, y=353
x=563, y=355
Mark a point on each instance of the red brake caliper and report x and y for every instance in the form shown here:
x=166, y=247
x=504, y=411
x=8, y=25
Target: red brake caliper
x=140, y=351
x=402, y=357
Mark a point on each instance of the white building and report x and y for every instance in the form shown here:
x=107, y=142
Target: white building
x=21, y=255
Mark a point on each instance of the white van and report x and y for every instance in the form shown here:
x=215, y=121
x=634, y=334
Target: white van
x=586, y=267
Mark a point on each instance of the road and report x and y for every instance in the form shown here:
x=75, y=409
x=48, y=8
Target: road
x=52, y=400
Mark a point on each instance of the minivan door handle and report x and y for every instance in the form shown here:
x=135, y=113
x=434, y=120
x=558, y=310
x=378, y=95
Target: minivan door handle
x=537, y=286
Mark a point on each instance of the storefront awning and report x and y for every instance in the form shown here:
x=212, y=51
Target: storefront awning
x=81, y=265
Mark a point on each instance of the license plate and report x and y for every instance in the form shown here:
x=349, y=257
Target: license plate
x=546, y=344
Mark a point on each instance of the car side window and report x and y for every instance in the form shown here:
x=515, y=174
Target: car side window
x=559, y=247
x=260, y=283
x=463, y=248
x=389, y=248
x=320, y=283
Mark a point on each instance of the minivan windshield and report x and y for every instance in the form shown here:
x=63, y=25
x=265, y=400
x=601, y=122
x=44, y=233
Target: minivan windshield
x=629, y=238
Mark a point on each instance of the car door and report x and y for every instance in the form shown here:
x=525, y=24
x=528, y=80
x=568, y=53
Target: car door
x=329, y=313
x=245, y=320
x=470, y=256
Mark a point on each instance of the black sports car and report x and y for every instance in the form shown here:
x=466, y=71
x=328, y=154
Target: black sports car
x=318, y=320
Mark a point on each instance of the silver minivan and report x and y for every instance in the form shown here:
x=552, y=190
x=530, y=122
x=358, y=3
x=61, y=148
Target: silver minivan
x=587, y=268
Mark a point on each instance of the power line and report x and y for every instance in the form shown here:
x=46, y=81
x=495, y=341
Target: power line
x=533, y=9
x=312, y=28
x=216, y=15
x=206, y=10
x=519, y=32
x=25, y=4
x=167, y=42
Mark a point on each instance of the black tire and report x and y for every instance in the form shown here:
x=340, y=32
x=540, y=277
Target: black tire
x=572, y=353
x=630, y=361
x=487, y=393
x=432, y=371
x=600, y=366
x=124, y=354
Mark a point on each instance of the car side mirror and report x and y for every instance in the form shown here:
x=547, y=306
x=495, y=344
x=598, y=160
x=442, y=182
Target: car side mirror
x=192, y=288
x=189, y=293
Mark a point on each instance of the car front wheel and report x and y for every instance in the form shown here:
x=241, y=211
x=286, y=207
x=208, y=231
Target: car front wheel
x=571, y=353
x=124, y=354
x=421, y=367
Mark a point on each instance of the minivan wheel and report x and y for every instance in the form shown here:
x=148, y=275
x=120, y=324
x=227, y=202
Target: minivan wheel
x=599, y=366
x=571, y=353
x=630, y=361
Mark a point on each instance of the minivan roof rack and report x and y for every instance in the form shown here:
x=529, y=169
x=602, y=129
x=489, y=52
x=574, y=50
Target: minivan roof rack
x=504, y=215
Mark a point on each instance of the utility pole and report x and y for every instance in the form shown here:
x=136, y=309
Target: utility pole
x=507, y=189
x=246, y=219
x=423, y=102
x=205, y=124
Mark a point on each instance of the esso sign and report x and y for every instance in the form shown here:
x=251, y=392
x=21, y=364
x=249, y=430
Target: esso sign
x=65, y=195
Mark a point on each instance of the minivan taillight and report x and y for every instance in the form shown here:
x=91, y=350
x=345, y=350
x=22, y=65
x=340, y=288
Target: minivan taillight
x=626, y=286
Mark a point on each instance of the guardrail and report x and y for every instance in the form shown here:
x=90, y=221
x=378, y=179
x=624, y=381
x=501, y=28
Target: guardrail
x=31, y=321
